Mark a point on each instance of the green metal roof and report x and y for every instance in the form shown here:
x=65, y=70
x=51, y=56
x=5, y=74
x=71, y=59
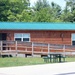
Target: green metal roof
x=36, y=26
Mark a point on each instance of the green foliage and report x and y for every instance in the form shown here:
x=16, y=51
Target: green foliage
x=42, y=15
x=20, y=11
x=3, y=10
x=68, y=14
x=46, y=13
x=10, y=8
x=41, y=4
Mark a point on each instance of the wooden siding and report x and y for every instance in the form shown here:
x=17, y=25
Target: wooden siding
x=52, y=37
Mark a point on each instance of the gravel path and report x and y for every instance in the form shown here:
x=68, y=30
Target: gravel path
x=47, y=69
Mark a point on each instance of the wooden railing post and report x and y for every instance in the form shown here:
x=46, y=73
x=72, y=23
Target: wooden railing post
x=1, y=47
x=48, y=48
x=32, y=49
x=64, y=50
x=16, y=48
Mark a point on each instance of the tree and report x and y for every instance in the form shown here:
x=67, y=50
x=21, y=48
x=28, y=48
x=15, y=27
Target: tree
x=10, y=8
x=56, y=9
x=3, y=10
x=41, y=4
x=43, y=12
x=68, y=14
x=25, y=16
x=19, y=10
x=42, y=15
x=71, y=4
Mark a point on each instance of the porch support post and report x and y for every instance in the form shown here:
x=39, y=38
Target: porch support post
x=32, y=49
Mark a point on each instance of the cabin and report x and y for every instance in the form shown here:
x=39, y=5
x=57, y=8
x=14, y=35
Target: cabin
x=53, y=33
x=45, y=33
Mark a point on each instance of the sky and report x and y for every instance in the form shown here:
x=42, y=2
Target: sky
x=59, y=2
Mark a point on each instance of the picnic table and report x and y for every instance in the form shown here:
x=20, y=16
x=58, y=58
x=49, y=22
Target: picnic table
x=54, y=57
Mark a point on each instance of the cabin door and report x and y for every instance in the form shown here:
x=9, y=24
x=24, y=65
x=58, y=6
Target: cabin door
x=3, y=37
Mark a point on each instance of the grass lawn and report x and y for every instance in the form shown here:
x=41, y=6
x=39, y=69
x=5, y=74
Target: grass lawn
x=70, y=59
x=16, y=61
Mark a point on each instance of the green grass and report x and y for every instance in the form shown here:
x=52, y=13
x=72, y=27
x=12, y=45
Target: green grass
x=7, y=62
x=16, y=61
x=70, y=59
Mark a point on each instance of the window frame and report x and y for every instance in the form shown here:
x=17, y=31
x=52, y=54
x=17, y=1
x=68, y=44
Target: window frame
x=72, y=38
x=22, y=36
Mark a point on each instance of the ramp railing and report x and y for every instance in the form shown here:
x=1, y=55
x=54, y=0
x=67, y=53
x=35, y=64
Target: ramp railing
x=18, y=47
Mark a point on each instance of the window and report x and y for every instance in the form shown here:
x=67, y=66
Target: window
x=22, y=37
x=73, y=39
